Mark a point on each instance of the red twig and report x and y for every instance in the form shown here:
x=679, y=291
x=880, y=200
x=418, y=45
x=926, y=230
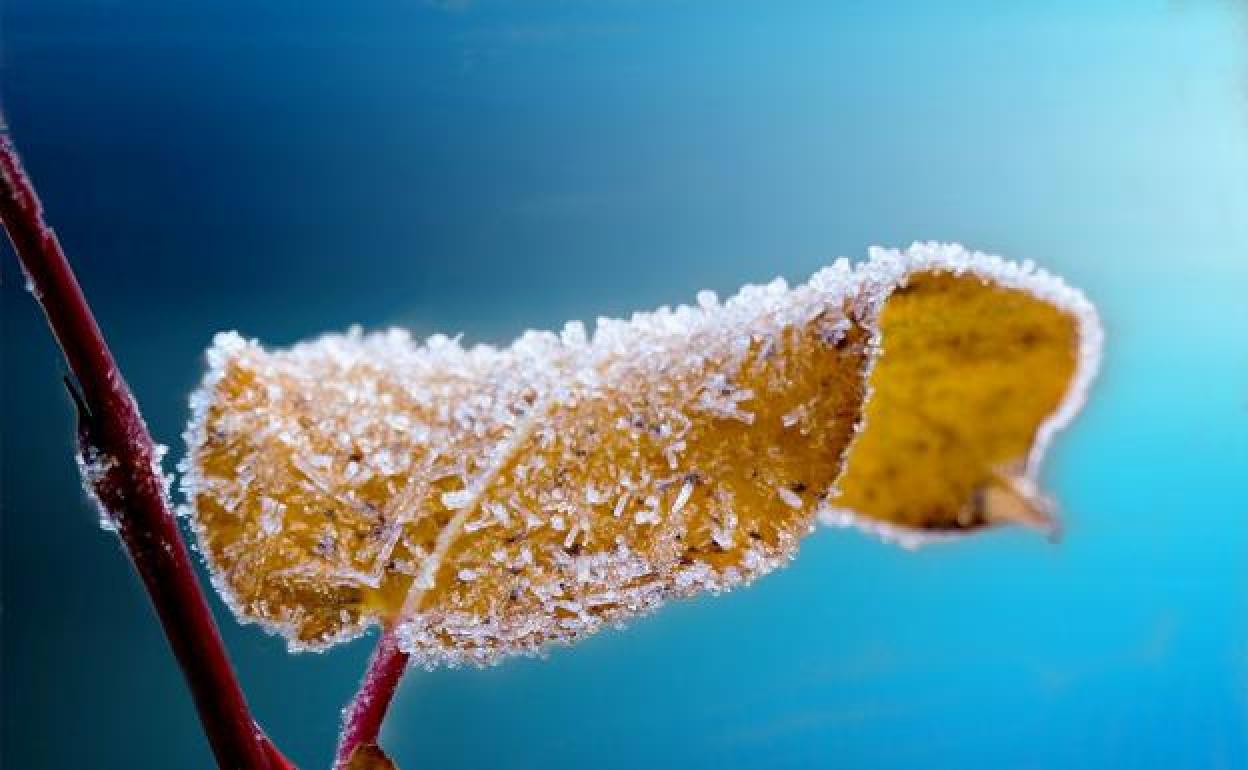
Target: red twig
x=362, y=722
x=127, y=481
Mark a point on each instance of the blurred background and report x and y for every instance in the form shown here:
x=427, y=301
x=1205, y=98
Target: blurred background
x=286, y=168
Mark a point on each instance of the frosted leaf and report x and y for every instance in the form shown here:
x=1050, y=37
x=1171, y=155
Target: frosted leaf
x=492, y=501
x=979, y=364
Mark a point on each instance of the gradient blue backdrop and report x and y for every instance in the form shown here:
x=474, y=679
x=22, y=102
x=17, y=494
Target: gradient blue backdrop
x=286, y=168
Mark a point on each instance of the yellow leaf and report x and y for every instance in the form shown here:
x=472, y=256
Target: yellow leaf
x=969, y=373
x=493, y=501
x=369, y=756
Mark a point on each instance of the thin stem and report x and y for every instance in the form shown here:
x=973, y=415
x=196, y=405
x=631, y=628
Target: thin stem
x=128, y=482
x=362, y=722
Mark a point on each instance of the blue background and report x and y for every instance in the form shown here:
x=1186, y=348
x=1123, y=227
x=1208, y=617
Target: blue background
x=287, y=168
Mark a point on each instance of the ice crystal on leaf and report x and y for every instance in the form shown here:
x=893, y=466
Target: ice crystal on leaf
x=491, y=501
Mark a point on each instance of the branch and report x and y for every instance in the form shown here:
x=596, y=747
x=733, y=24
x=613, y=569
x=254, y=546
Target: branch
x=362, y=720
x=124, y=473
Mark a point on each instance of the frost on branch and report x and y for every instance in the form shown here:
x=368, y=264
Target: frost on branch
x=491, y=501
x=94, y=467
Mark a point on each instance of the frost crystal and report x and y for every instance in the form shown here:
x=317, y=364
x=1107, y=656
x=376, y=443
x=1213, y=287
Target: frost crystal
x=93, y=467
x=493, y=501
